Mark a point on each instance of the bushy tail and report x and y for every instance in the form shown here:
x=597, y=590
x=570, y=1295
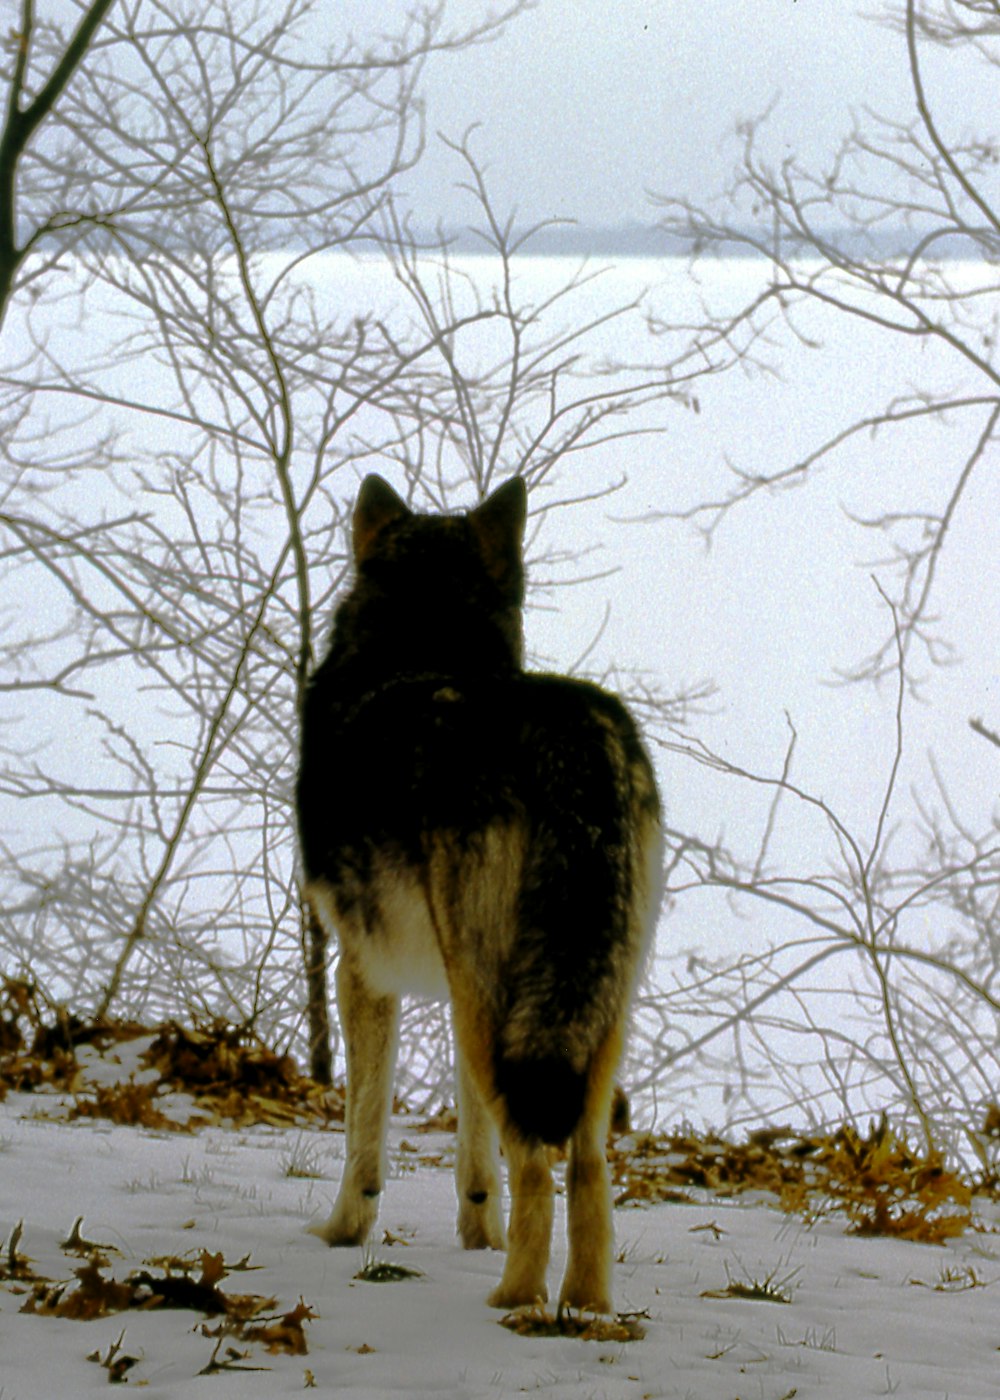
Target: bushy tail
x=569, y=977
x=544, y=1096
x=591, y=841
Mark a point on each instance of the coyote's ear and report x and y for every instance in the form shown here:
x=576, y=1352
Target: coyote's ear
x=376, y=507
x=498, y=525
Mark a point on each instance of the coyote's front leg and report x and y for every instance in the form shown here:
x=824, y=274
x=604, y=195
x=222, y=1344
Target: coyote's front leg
x=370, y=1024
x=477, y=1166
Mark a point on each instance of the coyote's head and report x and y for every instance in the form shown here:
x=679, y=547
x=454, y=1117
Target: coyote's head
x=436, y=593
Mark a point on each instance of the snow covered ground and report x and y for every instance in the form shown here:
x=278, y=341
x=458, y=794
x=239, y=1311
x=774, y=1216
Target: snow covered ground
x=864, y=1317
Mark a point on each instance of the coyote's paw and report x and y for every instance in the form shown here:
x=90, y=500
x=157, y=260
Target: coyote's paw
x=480, y=1225
x=584, y=1295
x=511, y=1295
x=349, y=1224
x=335, y=1237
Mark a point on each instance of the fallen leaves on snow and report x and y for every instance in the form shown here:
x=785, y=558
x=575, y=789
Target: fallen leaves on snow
x=882, y=1185
x=586, y=1327
x=190, y=1282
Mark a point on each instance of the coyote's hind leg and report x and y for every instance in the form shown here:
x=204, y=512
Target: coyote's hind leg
x=529, y=1237
x=587, y=1283
x=370, y=1025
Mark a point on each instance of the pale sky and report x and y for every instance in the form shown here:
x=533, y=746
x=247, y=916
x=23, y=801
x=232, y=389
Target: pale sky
x=587, y=104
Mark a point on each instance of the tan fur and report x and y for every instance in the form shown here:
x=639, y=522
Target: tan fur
x=420, y=935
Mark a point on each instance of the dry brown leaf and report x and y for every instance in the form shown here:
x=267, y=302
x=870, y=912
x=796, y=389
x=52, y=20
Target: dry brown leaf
x=213, y=1269
x=285, y=1334
x=94, y=1296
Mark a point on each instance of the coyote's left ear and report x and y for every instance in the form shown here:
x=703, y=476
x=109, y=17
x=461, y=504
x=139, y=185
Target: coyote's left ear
x=376, y=507
x=498, y=525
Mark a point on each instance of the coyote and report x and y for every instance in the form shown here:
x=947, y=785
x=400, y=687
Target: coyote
x=473, y=830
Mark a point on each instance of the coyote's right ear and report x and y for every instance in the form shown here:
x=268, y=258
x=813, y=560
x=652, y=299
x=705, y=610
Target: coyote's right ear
x=498, y=525
x=376, y=507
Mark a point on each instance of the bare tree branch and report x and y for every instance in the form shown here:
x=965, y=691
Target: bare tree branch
x=22, y=119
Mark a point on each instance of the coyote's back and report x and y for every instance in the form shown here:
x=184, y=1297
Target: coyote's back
x=473, y=829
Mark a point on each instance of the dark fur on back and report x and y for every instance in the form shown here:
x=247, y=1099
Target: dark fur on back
x=423, y=736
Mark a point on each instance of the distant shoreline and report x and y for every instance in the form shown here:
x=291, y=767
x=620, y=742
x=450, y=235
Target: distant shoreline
x=626, y=241
x=652, y=241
